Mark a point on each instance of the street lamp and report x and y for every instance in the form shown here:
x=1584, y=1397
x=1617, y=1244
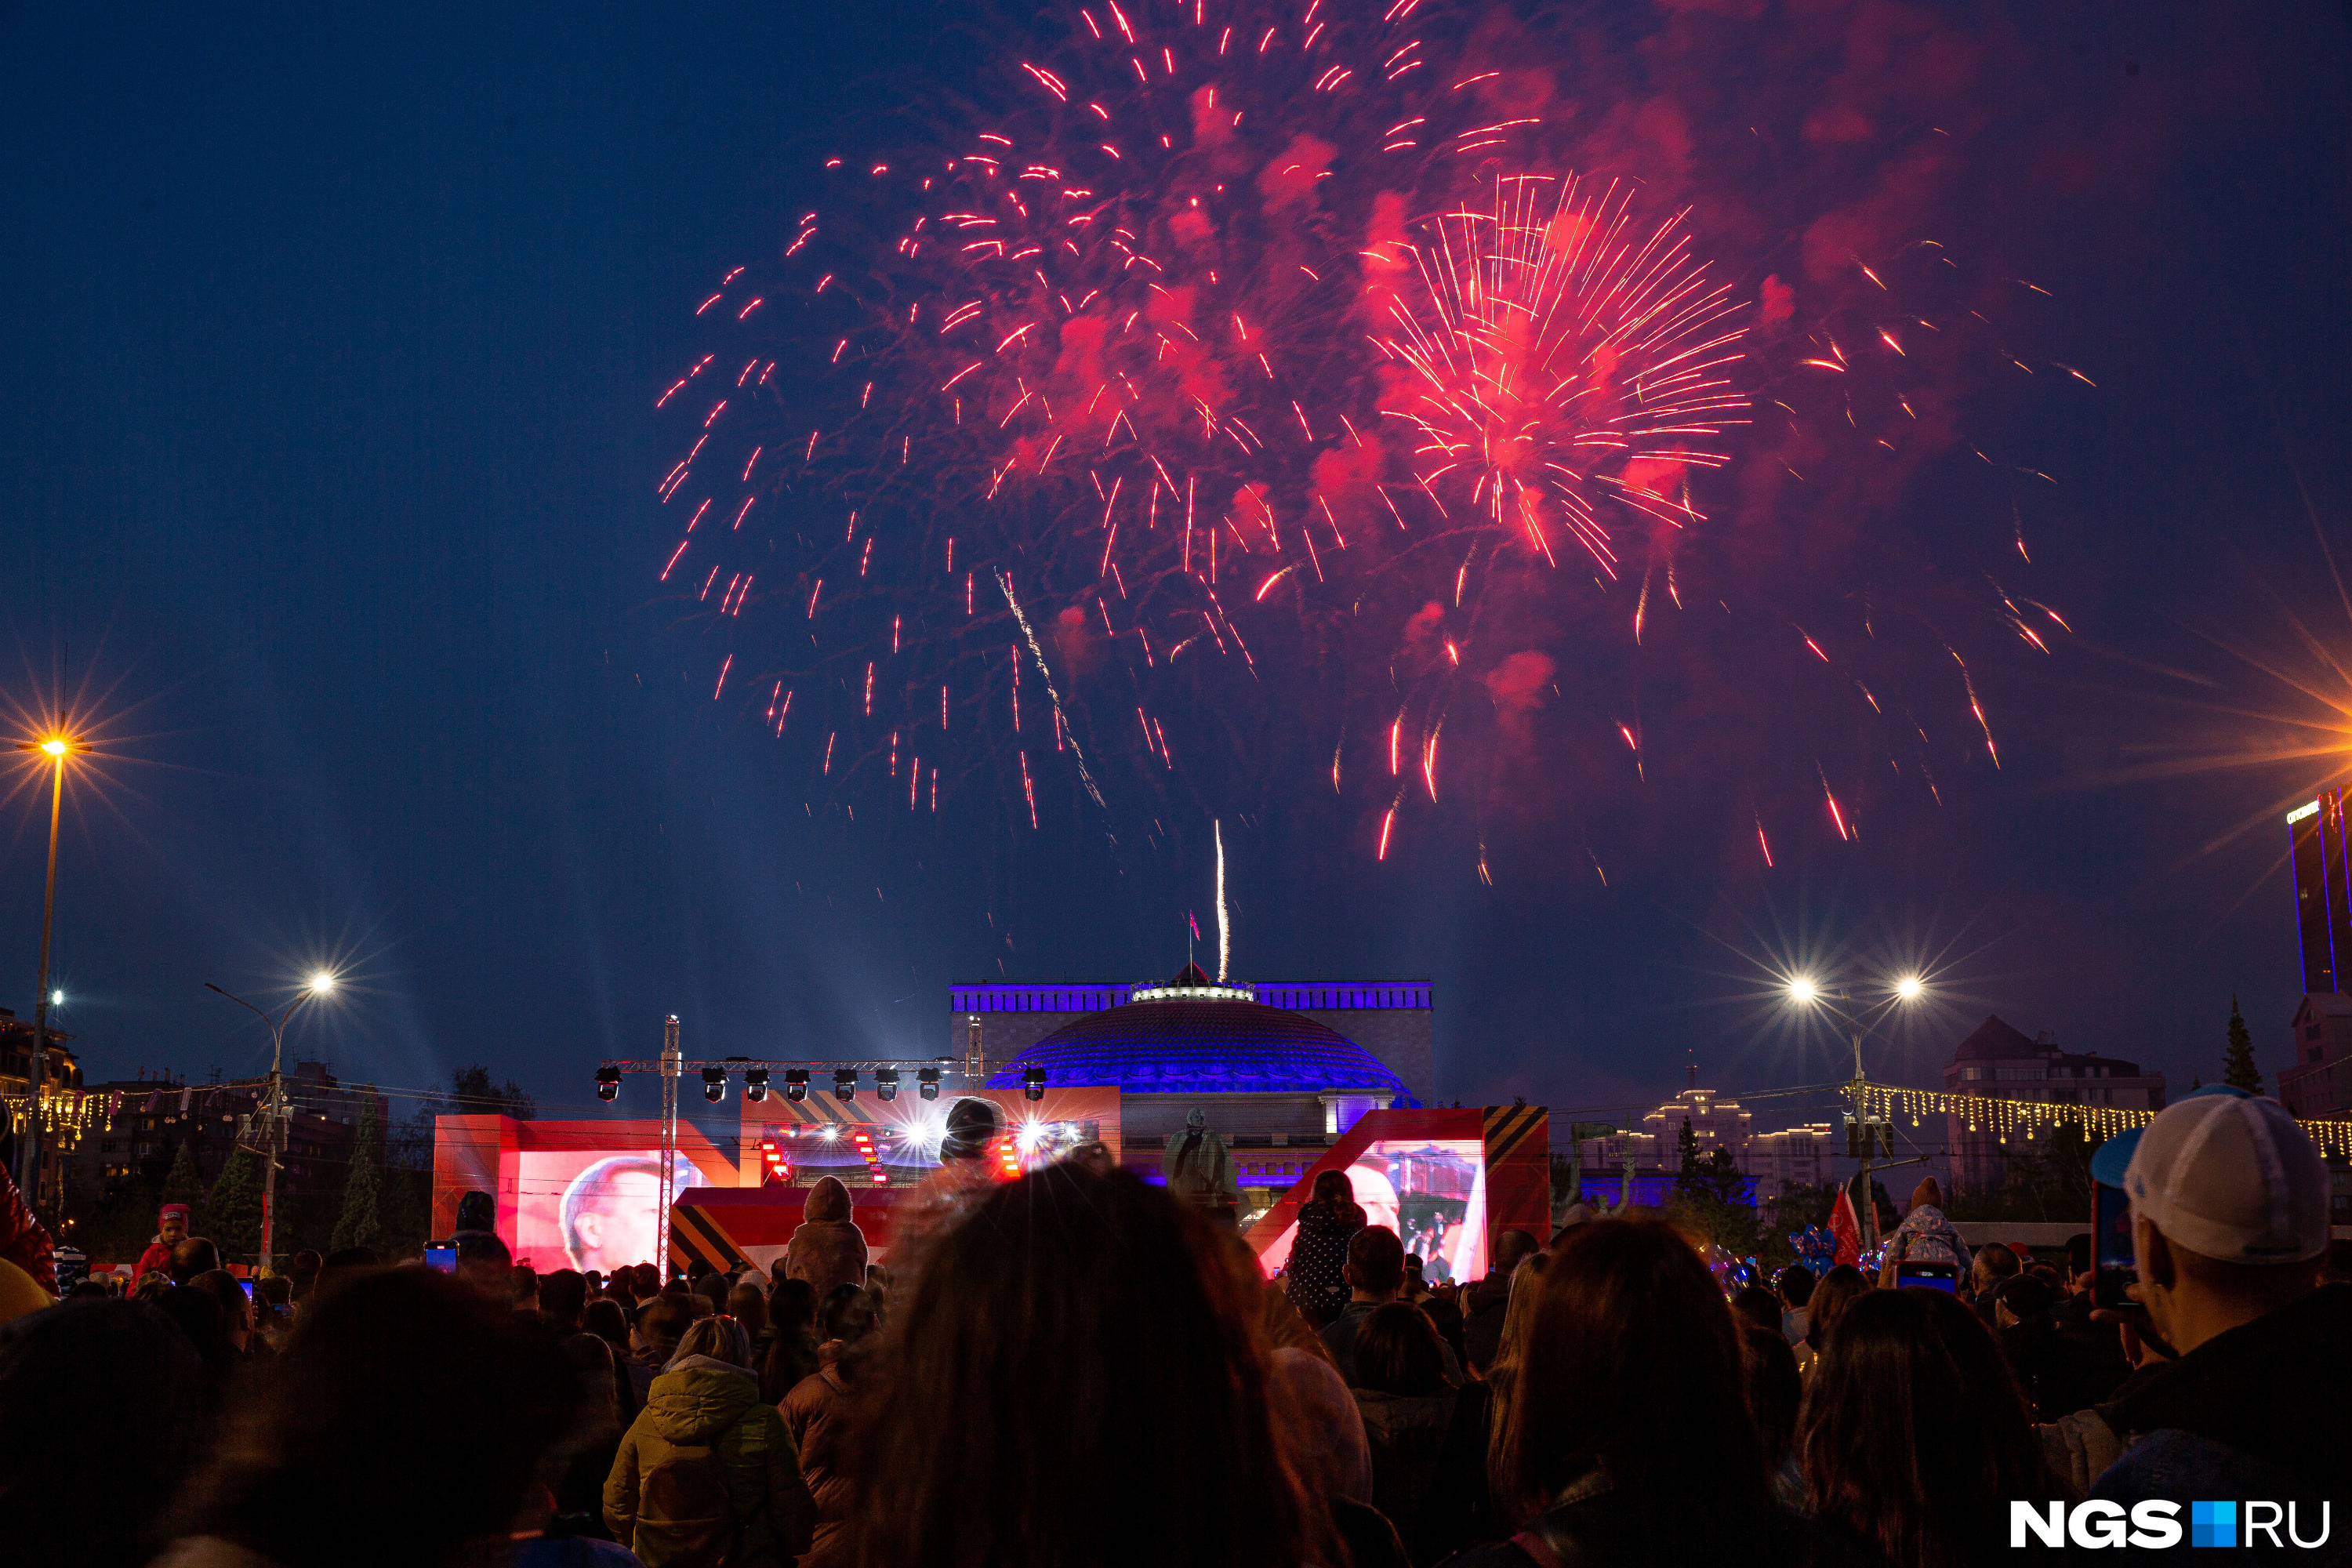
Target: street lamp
x=321, y=984
x=1807, y=992
x=56, y=748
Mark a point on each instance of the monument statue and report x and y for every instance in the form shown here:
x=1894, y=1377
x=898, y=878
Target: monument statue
x=1197, y=1167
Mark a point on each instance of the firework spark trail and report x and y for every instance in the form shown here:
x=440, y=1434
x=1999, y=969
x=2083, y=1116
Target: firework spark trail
x=1004, y=584
x=1224, y=920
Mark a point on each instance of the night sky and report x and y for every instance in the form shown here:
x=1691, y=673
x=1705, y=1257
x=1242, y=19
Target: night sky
x=330, y=345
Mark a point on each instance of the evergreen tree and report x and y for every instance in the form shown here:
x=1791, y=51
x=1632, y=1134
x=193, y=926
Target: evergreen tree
x=361, y=1223
x=401, y=1208
x=183, y=1184
x=232, y=1215
x=471, y=1093
x=2237, y=1069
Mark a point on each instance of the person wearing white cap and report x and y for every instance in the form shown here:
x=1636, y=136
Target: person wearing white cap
x=2230, y=1228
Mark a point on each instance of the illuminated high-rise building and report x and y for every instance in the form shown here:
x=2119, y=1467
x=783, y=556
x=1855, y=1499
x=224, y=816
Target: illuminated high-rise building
x=2322, y=890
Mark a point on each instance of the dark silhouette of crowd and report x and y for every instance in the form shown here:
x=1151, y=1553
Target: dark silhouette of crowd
x=1075, y=1368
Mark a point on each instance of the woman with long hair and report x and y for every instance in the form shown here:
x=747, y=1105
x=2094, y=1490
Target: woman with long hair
x=1328, y=1221
x=1502, y=1375
x=1631, y=1442
x=1915, y=1436
x=1071, y=1378
x=1839, y=1288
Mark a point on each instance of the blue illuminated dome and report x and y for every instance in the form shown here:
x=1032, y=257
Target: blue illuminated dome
x=1193, y=1036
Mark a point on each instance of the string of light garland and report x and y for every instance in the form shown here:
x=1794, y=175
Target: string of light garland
x=2025, y=1118
x=66, y=1113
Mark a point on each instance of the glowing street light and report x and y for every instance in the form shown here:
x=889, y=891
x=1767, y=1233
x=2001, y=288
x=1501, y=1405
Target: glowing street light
x=56, y=747
x=321, y=982
x=1807, y=992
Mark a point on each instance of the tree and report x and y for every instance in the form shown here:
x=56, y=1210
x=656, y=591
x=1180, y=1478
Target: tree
x=402, y=1210
x=183, y=1184
x=2237, y=1069
x=232, y=1215
x=361, y=1223
x=471, y=1093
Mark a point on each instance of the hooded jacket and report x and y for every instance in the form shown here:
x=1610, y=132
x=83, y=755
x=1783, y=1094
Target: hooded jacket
x=828, y=1249
x=814, y=1414
x=1926, y=1236
x=2254, y=1412
x=1406, y=1433
x=703, y=1407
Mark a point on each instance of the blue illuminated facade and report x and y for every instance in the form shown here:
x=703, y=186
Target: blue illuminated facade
x=1193, y=1038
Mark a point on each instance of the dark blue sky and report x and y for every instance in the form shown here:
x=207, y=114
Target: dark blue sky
x=328, y=346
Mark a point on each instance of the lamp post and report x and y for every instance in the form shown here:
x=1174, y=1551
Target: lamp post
x=274, y=1135
x=56, y=748
x=1806, y=992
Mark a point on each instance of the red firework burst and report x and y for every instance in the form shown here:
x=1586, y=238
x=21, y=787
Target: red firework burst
x=1557, y=363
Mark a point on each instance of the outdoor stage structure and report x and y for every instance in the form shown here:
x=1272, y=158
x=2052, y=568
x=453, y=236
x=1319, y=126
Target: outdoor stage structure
x=1289, y=1095
x=587, y=1195
x=587, y=1192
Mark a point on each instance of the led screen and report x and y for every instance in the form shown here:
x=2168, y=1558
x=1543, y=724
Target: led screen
x=1431, y=1191
x=594, y=1208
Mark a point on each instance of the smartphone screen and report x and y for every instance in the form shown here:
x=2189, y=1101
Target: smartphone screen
x=444, y=1259
x=2113, y=1264
x=248, y=1288
x=1934, y=1276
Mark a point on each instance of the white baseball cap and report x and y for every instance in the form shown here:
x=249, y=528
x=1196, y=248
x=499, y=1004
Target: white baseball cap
x=2232, y=1177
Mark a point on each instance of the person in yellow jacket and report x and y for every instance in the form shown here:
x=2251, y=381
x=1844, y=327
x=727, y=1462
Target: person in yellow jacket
x=707, y=1476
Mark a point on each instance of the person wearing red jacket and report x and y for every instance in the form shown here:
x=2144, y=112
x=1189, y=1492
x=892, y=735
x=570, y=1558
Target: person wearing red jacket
x=171, y=1228
x=23, y=1242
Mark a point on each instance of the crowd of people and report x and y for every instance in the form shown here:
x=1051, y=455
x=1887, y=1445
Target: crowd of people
x=1077, y=1368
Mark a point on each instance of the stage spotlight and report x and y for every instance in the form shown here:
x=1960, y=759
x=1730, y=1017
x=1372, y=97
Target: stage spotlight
x=755, y=1084
x=844, y=1083
x=1032, y=1083
x=608, y=1083
x=927, y=1083
x=886, y=1083
x=714, y=1084
x=796, y=1084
